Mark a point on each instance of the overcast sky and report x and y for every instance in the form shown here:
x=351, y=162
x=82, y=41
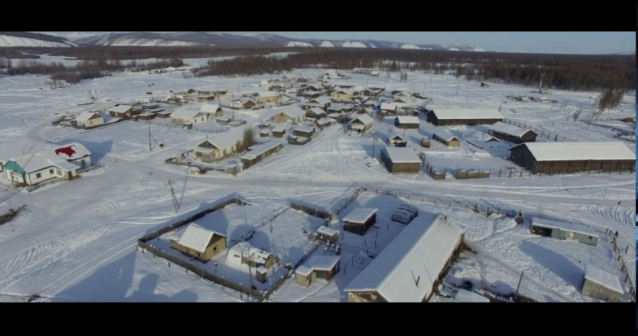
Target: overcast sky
x=533, y=42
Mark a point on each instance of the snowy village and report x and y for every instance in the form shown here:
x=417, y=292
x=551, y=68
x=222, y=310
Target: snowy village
x=313, y=185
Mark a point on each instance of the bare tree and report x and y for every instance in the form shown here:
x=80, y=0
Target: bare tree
x=249, y=137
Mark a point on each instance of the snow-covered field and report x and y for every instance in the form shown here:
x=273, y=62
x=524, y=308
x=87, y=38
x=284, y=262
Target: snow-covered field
x=75, y=241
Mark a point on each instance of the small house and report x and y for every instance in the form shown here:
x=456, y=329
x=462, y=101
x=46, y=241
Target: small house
x=264, y=133
x=324, y=122
x=303, y=131
x=267, y=97
x=164, y=114
x=342, y=94
x=327, y=234
x=260, y=152
x=316, y=113
x=146, y=116
x=447, y=138
x=188, y=116
x=200, y=242
x=297, y=140
x=360, y=220
x=123, y=111
x=246, y=254
x=331, y=74
x=293, y=115
x=601, y=285
x=564, y=231
x=221, y=146
x=212, y=110
x=279, y=131
x=400, y=160
x=360, y=123
x=389, y=108
x=397, y=141
x=512, y=133
x=317, y=267
x=408, y=122
x=89, y=119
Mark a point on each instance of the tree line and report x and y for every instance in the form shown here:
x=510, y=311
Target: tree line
x=570, y=72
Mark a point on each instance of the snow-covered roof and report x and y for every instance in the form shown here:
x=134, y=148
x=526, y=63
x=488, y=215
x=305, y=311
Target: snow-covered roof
x=360, y=215
x=320, y=100
x=364, y=118
x=401, y=155
x=120, y=108
x=388, y=106
x=197, y=237
x=209, y=108
x=508, y=129
x=262, y=269
x=304, y=129
x=551, y=224
x=260, y=149
x=85, y=116
x=303, y=270
x=579, y=151
x=443, y=114
x=264, y=94
x=279, y=128
x=250, y=252
x=294, y=112
x=346, y=91
x=322, y=262
x=327, y=230
x=324, y=121
x=72, y=151
x=357, y=127
x=317, y=111
x=229, y=138
x=463, y=295
x=445, y=134
x=185, y=113
x=396, y=136
x=408, y=120
x=606, y=279
x=418, y=254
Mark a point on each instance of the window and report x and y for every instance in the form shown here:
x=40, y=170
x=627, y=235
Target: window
x=38, y=175
x=215, y=249
x=59, y=172
x=51, y=171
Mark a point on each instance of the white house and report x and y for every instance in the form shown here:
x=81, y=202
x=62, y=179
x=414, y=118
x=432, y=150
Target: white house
x=60, y=162
x=212, y=110
x=188, y=115
x=89, y=119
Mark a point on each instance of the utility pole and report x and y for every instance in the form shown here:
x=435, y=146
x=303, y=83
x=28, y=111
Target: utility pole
x=519, y=285
x=149, y=136
x=502, y=100
x=175, y=203
x=457, y=90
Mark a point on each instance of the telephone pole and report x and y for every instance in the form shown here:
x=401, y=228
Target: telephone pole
x=175, y=203
x=519, y=285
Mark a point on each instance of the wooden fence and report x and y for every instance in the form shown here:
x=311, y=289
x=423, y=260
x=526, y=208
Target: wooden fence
x=541, y=132
x=623, y=264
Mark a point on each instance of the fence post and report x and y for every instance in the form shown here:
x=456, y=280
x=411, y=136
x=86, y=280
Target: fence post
x=499, y=173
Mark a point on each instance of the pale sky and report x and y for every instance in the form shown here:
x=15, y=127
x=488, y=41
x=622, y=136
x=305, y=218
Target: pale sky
x=532, y=42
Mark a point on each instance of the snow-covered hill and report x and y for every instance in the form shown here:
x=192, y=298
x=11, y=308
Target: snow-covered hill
x=327, y=44
x=14, y=41
x=410, y=46
x=355, y=44
x=299, y=44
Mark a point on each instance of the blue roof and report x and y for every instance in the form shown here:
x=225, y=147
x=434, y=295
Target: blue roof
x=13, y=166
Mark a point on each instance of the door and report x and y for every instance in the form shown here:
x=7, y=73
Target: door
x=572, y=236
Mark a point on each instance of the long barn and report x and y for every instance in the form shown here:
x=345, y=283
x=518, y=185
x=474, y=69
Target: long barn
x=449, y=117
x=567, y=157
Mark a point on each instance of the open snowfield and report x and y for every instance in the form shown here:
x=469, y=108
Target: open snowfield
x=75, y=240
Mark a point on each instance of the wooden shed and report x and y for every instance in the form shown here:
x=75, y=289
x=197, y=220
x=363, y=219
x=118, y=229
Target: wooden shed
x=279, y=131
x=316, y=113
x=564, y=231
x=512, y=133
x=397, y=141
x=260, y=152
x=317, y=267
x=200, y=242
x=568, y=157
x=400, y=160
x=447, y=138
x=407, y=122
x=360, y=123
x=304, y=131
x=251, y=256
x=327, y=234
x=600, y=284
x=449, y=117
x=360, y=220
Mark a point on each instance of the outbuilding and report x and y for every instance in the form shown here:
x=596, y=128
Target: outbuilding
x=446, y=138
x=449, y=117
x=317, y=267
x=360, y=123
x=565, y=231
x=397, y=141
x=260, y=152
x=327, y=234
x=400, y=160
x=600, y=284
x=407, y=122
x=512, y=133
x=360, y=220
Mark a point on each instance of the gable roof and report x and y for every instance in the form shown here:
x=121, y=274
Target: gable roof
x=579, y=151
x=445, y=134
x=408, y=120
x=401, y=155
x=444, y=114
x=317, y=111
x=364, y=118
x=420, y=252
x=294, y=112
x=318, y=262
x=504, y=128
x=260, y=149
x=227, y=139
x=197, y=237
x=120, y=108
x=85, y=116
x=209, y=108
x=388, y=106
x=185, y=113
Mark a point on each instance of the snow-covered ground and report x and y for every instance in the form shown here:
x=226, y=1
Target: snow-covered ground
x=75, y=241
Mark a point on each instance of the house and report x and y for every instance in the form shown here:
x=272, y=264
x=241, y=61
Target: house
x=211, y=110
x=279, y=131
x=89, y=119
x=360, y=123
x=123, y=111
x=446, y=138
x=221, y=146
x=327, y=234
x=221, y=94
x=146, y=116
x=407, y=122
x=316, y=113
x=342, y=94
x=566, y=157
x=448, y=117
x=267, y=97
x=400, y=160
x=565, y=231
x=304, y=131
x=61, y=162
x=164, y=114
x=485, y=85
x=374, y=73
x=320, y=102
x=188, y=116
x=389, y=108
x=293, y=115
x=331, y=74
x=297, y=140
x=200, y=242
x=412, y=265
x=340, y=108
x=512, y=133
x=601, y=285
x=318, y=266
x=360, y=220
x=337, y=117
x=260, y=152
x=397, y=141
x=246, y=254
x=463, y=295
